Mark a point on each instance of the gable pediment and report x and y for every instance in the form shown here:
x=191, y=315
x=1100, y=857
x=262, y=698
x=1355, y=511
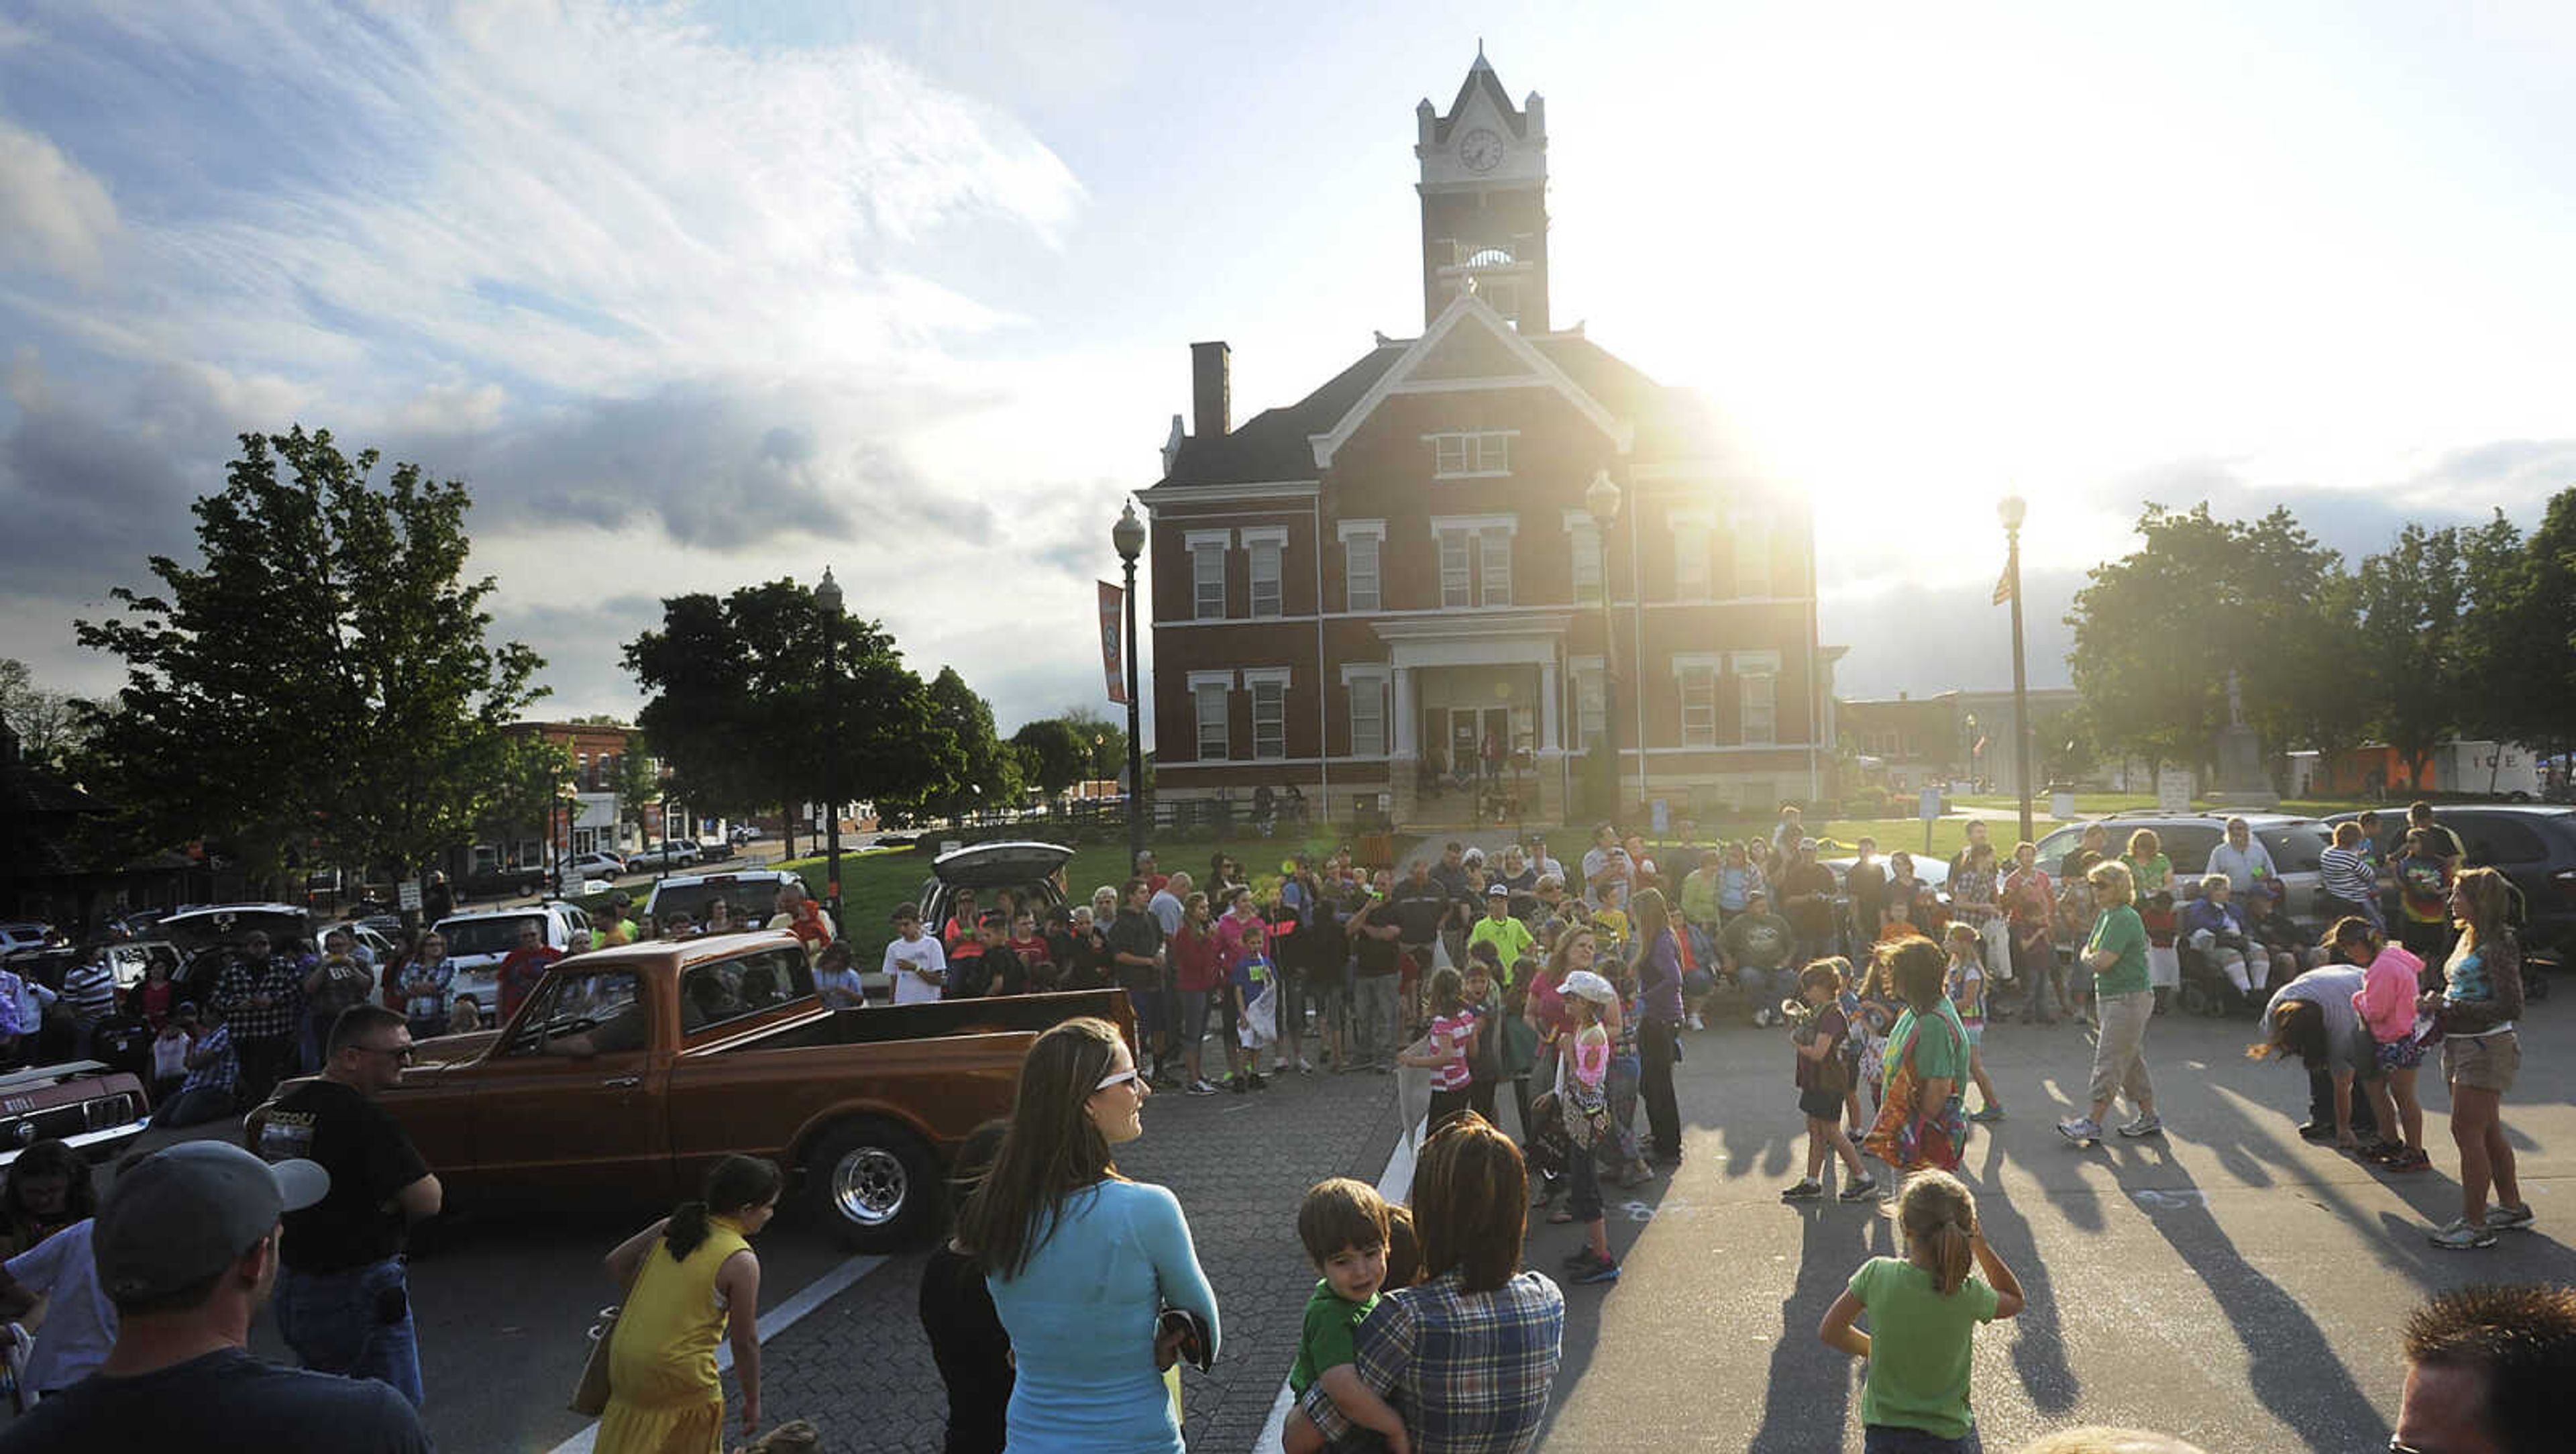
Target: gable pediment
x=1470, y=346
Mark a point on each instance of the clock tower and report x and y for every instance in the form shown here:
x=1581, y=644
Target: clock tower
x=1484, y=199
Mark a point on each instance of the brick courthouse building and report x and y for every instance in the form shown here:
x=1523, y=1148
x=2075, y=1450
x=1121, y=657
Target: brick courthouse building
x=1357, y=592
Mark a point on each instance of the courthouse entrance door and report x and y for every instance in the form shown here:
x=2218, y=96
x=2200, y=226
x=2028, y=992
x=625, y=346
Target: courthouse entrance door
x=1468, y=729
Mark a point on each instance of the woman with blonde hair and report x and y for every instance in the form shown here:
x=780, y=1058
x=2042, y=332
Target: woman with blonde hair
x=2116, y=954
x=2480, y=997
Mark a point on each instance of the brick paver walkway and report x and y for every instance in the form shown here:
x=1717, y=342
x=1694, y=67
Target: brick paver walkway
x=858, y=1365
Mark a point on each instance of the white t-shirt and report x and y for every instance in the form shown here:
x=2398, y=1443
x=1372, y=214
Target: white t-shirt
x=80, y=1323
x=906, y=960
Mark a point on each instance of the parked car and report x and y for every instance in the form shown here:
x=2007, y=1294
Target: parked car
x=716, y=850
x=594, y=865
x=633, y=1069
x=2533, y=845
x=744, y=832
x=24, y=935
x=669, y=853
x=752, y=892
x=502, y=881
x=96, y=1109
x=206, y=937
x=2294, y=842
x=477, y=943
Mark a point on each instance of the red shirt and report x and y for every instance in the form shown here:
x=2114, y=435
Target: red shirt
x=1194, y=960
x=522, y=969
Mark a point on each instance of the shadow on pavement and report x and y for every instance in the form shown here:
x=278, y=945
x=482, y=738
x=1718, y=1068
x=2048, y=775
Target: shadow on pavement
x=2038, y=1340
x=1808, y=1395
x=2288, y=1361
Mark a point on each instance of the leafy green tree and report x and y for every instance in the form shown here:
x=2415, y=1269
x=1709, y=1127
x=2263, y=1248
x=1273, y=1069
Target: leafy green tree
x=1052, y=757
x=321, y=677
x=2518, y=659
x=987, y=775
x=638, y=787
x=2158, y=631
x=1107, y=741
x=740, y=715
x=49, y=724
x=2411, y=597
x=530, y=781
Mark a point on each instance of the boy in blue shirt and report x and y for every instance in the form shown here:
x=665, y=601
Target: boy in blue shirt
x=1344, y=1226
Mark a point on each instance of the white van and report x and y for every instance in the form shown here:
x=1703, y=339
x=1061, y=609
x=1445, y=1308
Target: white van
x=478, y=942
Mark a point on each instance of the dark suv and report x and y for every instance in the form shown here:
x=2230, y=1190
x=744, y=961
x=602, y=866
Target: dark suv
x=2532, y=844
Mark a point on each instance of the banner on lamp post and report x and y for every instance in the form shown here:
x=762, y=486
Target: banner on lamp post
x=1113, y=635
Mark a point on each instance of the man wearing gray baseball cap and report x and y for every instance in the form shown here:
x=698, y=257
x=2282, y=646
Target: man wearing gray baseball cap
x=186, y=1243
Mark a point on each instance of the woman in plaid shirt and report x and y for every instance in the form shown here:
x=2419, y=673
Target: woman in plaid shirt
x=1468, y=1355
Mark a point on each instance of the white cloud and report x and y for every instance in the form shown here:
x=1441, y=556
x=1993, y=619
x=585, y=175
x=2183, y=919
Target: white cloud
x=53, y=215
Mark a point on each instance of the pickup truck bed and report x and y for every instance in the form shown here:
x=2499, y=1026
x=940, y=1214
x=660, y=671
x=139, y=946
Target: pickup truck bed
x=636, y=1068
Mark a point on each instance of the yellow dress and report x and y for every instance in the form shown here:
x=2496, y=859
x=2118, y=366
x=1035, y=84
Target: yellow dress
x=663, y=1393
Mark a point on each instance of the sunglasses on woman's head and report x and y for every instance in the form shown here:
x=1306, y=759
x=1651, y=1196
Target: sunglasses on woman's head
x=1124, y=1077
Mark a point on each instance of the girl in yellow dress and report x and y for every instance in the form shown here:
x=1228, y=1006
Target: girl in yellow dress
x=664, y=1396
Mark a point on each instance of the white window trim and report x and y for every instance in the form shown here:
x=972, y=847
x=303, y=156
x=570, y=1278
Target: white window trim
x=1220, y=541
x=1348, y=528
x=1275, y=537
x=1252, y=535
x=1374, y=532
x=1488, y=542
x=1199, y=680
x=1467, y=445
x=1201, y=539
x=1693, y=531
x=1477, y=524
x=1264, y=676
x=1753, y=663
x=1688, y=661
x=1370, y=676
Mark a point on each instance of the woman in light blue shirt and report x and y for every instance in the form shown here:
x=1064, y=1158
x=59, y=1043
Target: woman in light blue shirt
x=1081, y=1261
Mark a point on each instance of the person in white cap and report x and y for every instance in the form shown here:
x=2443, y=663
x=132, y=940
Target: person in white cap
x=186, y=1244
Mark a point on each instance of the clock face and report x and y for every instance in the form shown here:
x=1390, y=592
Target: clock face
x=1480, y=149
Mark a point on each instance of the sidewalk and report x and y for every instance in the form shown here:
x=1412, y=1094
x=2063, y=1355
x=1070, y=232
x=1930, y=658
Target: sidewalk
x=1239, y=1164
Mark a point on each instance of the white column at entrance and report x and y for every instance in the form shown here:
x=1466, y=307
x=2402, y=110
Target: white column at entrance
x=1548, y=704
x=1407, y=723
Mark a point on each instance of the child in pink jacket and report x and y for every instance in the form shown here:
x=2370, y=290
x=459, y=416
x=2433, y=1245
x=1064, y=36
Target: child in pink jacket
x=2386, y=1003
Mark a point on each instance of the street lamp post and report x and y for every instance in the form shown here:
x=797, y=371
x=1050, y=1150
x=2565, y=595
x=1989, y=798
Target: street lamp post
x=828, y=596
x=1601, y=498
x=1128, y=536
x=2011, y=511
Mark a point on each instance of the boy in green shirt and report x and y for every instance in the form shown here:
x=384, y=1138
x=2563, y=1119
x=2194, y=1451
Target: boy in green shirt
x=1510, y=937
x=1344, y=1226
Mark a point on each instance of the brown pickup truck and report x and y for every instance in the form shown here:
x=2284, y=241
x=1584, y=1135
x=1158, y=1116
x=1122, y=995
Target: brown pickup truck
x=634, y=1068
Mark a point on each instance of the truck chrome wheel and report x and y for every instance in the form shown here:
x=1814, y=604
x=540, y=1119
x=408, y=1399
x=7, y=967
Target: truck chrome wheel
x=869, y=1186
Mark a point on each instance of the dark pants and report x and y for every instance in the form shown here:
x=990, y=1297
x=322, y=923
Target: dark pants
x=2321, y=1104
x=1655, y=1085
x=194, y=1107
x=1447, y=1106
x=1521, y=1104
x=264, y=1062
x=1585, y=1202
x=1898, y=1439
x=1480, y=1099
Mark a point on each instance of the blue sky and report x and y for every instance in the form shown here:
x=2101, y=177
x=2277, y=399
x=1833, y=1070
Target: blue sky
x=696, y=295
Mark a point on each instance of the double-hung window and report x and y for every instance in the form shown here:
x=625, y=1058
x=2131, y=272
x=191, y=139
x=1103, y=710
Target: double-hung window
x=1697, y=679
x=1497, y=566
x=1368, y=712
x=1209, y=700
x=1362, y=543
x=1207, y=574
x=1265, y=547
x=1752, y=558
x=1757, y=679
x=1591, y=705
x=1471, y=455
x=1269, y=689
x=1690, y=558
x=1457, y=564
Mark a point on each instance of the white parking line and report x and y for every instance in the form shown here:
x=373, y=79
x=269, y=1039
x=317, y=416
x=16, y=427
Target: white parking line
x=1396, y=1185
x=772, y=1323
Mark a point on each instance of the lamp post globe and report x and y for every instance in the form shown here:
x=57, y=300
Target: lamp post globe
x=1601, y=498
x=1127, y=537
x=2011, y=511
x=827, y=595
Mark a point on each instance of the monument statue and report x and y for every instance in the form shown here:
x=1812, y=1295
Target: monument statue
x=2242, y=783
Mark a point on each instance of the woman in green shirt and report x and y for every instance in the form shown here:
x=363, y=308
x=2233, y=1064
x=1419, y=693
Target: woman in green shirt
x=2117, y=955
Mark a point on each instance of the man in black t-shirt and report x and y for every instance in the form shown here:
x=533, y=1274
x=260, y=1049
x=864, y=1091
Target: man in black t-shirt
x=1421, y=906
x=342, y=1301
x=186, y=1247
x=1136, y=955
x=1376, y=955
x=1866, y=882
x=1807, y=898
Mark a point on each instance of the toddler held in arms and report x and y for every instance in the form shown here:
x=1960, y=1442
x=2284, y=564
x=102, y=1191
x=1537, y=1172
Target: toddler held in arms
x=1344, y=1226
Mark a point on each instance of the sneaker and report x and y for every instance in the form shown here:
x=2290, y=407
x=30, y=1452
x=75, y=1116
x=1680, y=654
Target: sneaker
x=1601, y=1272
x=2144, y=1126
x=2317, y=1131
x=2406, y=1160
x=2506, y=1219
x=1807, y=1190
x=1236, y=1084
x=1258, y=1082
x=1305, y=1066
x=1200, y=1087
x=1988, y=1114
x=1696, y=1023
x=2083, y=1130
x=2459, y=1236
x=1758, y=1020
x=1863, y=1190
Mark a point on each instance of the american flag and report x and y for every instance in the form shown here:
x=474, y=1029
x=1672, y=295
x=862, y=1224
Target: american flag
x=2004, y=586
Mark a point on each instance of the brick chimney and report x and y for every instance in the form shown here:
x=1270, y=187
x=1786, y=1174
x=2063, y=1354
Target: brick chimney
x=1211, y=390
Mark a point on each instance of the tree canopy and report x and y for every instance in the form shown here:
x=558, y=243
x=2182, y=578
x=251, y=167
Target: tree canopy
x=740, y=713
x=321, y=682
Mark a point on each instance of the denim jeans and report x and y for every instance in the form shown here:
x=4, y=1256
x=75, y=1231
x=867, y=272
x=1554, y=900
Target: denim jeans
x=356, y=1322
x=194, y=1107
x=1764, y=988
x=1373, y=1012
